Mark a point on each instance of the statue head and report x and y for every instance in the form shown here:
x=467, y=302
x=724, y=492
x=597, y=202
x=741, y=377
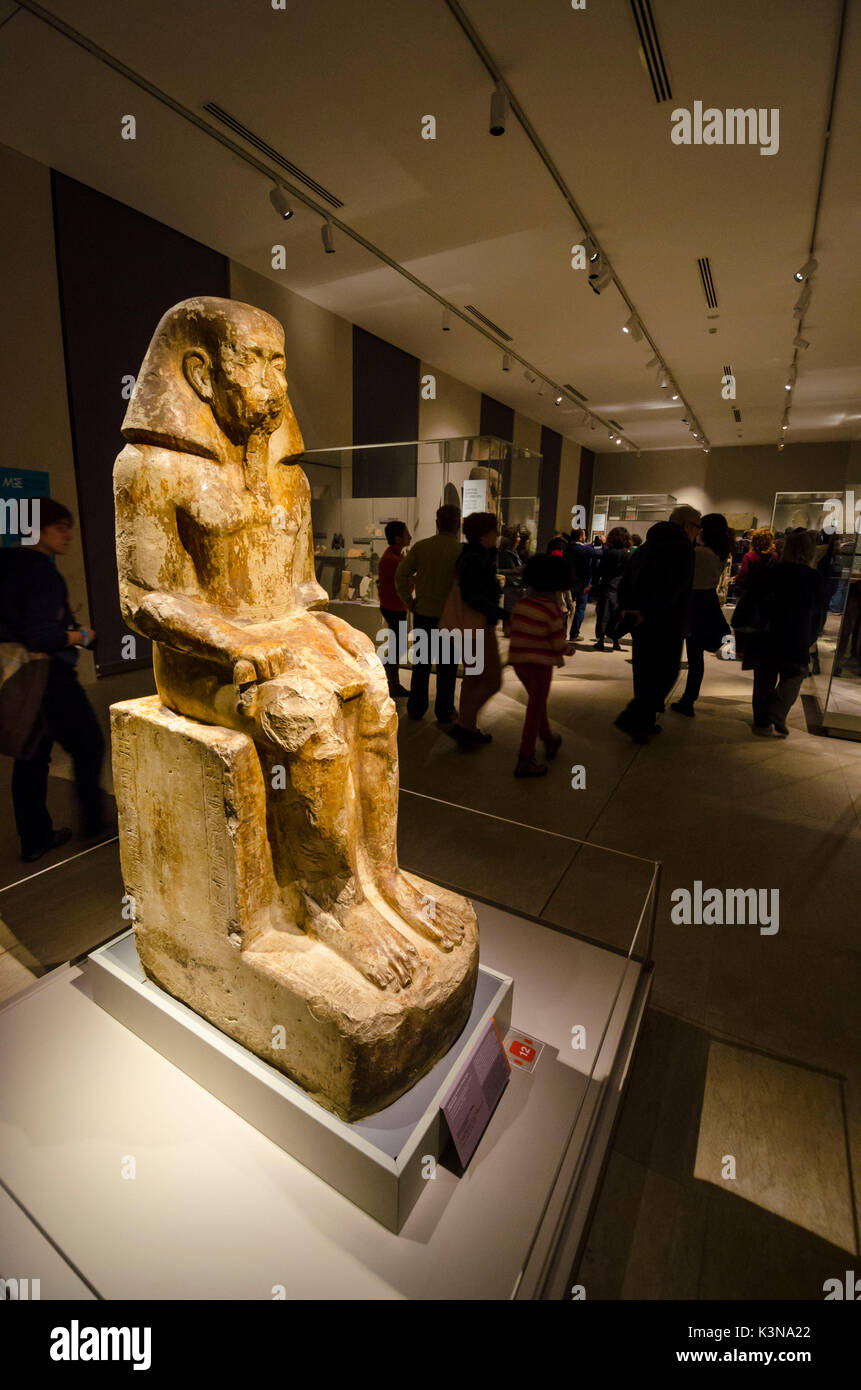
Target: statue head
x=213, y=375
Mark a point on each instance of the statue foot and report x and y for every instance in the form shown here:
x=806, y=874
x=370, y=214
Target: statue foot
x=362, y=936
x=437, y=914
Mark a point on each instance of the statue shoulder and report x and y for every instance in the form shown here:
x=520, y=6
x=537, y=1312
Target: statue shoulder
x=143, y=467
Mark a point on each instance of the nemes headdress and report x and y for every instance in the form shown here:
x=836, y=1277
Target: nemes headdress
x=165, y=409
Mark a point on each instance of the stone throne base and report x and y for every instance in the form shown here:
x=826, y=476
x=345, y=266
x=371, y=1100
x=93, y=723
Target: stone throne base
x=209, y=925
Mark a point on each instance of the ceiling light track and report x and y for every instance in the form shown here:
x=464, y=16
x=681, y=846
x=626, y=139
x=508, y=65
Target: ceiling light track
x=137, y=80
x=601, y=273
x=805, y=274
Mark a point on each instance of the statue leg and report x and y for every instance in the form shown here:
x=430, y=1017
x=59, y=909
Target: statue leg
x=439, y=917
x=305, y=741
x=303, y=732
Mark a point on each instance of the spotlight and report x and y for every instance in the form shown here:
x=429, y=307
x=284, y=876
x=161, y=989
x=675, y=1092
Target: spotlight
x=592, y=251
x=446, y=320
x=633, y=327
x=790, y=380
x=542, y=388
x=558, y=400
x=498, y=110
x=784, y=423
x=278, y=199
x=530, y=378
x=663, y=381
x=619, y=440
x=684, y=420
x=593, y=424
x=611, y=436
x=800, y=342
x=506, y=361
x=806, y=270
x=674, y=395
x=802, y=302
x=780, y=446
x=600, y=275
x=327, y=232
x=705, y=448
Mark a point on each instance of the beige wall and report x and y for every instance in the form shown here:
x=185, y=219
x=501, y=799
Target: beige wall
x=36, y=430
x=741, y=480
x=456, y=410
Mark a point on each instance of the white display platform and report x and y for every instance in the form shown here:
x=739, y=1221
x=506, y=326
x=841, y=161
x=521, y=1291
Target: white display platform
x=376, y=1162
x=215, y=1210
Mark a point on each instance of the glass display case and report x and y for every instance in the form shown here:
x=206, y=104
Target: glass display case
x=356, y=490
x=816, y=510
x=609, y=510
x=840, y=645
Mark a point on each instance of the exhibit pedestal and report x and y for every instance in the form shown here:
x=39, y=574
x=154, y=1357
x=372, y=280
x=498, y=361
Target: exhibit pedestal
x=379, y=1163
x=150, y=1187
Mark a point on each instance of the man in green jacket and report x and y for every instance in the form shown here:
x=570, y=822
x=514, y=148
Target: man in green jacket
x=423, y=580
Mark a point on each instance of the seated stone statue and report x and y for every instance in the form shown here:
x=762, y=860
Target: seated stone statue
x=216, y=566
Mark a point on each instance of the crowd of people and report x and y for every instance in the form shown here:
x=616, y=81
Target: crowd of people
x=667, y=591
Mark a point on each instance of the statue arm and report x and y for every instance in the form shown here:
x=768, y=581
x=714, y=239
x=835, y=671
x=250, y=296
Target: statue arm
x=189, y=625
x=184, y=623
x=309, y=593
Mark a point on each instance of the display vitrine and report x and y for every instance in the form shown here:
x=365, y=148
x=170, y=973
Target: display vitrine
x=609, y=510
x=356, y=490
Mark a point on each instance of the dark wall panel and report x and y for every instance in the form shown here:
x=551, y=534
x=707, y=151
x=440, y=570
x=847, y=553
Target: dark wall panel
x=548, y=487
x=118, y=273
x=385, y=408
x=584, y=482
x=496, y=418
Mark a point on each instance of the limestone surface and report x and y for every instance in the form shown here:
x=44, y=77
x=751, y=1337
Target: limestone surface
x=258, y=792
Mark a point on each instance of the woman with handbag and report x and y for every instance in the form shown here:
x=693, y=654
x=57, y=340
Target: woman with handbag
x=708, y=624
x=35, y=619
x=474, y=603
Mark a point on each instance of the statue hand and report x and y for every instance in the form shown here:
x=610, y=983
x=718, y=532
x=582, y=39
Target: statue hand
x=258, y=661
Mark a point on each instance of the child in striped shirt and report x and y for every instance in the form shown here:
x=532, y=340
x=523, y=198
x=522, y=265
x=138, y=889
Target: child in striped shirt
x=537, y=645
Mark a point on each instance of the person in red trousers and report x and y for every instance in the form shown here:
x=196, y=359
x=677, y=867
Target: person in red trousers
x=537, y=645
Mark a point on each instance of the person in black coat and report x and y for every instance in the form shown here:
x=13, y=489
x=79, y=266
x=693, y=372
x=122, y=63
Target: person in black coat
x=479, y=587
x=582, y=561
x=655, y=596
x=608, y=576
x=34, y=611
x=790, y=596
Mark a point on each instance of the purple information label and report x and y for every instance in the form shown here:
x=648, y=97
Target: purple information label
x=471, y=1100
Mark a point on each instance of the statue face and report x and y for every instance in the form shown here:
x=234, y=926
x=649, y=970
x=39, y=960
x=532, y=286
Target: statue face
x=248, y=384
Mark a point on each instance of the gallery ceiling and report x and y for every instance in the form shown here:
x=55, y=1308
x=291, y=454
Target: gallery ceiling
x=340, y=90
